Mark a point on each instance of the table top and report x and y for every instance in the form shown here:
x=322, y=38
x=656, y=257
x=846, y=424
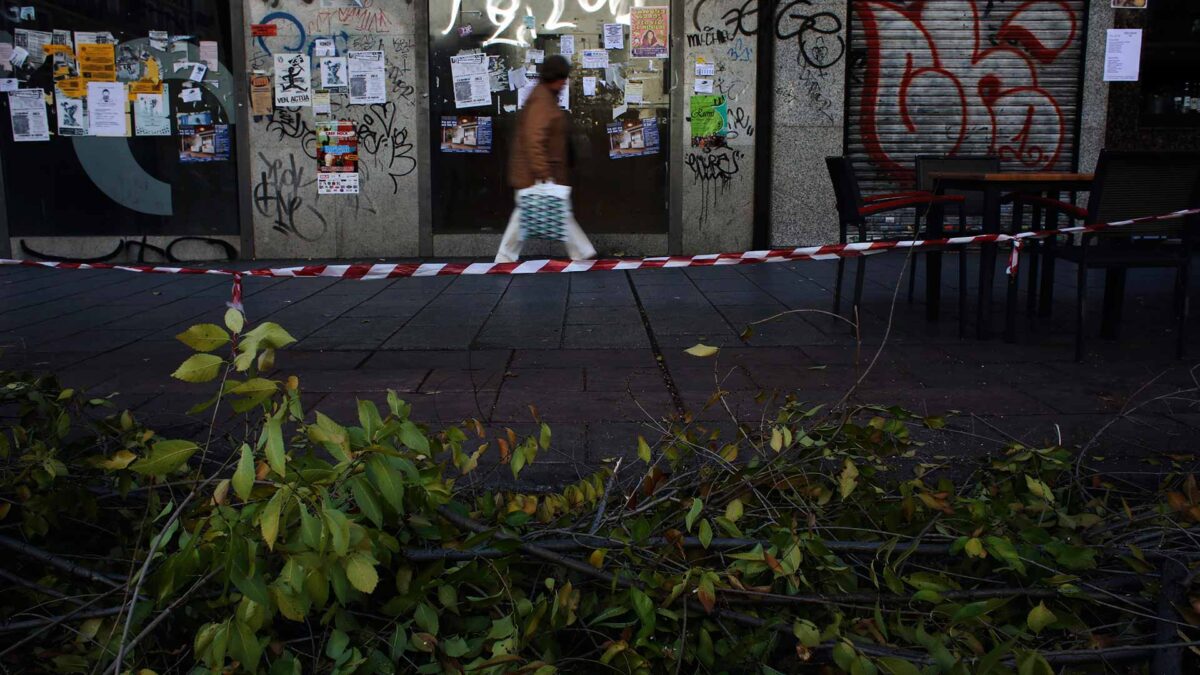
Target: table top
x=1012, y=177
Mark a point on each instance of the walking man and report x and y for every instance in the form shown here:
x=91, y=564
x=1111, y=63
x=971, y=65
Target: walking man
x=540, y=153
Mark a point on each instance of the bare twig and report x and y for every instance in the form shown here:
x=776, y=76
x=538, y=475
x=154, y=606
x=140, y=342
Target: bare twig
x=56, y=561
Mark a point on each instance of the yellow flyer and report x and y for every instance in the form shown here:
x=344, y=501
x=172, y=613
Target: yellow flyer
x=98, y=62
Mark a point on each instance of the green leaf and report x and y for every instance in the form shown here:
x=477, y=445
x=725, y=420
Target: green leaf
x=1074, y=558
x=848, y=480
x=643, y=450
x=367, y=500
x=244, y=646
x=369, y=419
x=257, y=389
x=165, y=457
x=270, y=334
x=1032, y=663
x=274, y=446
x=1040, y=617
x=733, y=510
x=339, y=529
x=199, y=368
x=643, y=606
x=693, y=513
x=360, y=570
x=448, y=597
x=1039, y=489
x=411, y=436
x=705, y=534
x=971, y=610
x=426, y=618
x=337, y=644
x=1004, y=550
x=234, y=320
x=268, y=520
x=844, y=656
x=701, y=350
x=544, y=437
x=387, y=480
x=807, y=633
x=897, y=666
x=455, y=647
x=204, y=337
x=243, y=477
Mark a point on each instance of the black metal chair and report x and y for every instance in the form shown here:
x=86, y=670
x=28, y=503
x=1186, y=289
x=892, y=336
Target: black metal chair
x=854, y=209
x=971, y=206
x=1128, y=185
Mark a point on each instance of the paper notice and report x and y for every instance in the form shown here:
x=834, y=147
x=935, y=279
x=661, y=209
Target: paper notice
x=705, y=69
x=262, y=101
x=33, y=42
x=18, y=57
x=89, y=37
x=159, y=40
x=27, y=108
x=649, y=35
x=106, y=102
x=620, y=110
x=564, y=97
x=614, y=36
x=703, y=86
x=595, y=58
x=97, y=61
x=516, y=79
x=322, y=105
x=208, y=55
x=191, y=95
x=199, y=70
x=150, y=116
x=471, y=86
x=589, y=86
x=535, y=55
x=292, y=84
x=566, y=45
x=337, y=183
x=333, y=72
x=72, y=115
x=6, y=52
x=9, y=84
x=368, y=81
x=324, y=47
x=1123, y=55
x=633, y=92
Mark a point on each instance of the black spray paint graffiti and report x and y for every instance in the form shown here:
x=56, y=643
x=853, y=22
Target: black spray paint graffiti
x=713, y=170
x=277, y=195
x=290, y=124
x=382, y=138
x=792, y=21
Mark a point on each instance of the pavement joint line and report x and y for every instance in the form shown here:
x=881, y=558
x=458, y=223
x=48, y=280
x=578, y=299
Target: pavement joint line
x=668, y=379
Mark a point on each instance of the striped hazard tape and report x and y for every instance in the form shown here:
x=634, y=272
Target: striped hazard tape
x=555, y=266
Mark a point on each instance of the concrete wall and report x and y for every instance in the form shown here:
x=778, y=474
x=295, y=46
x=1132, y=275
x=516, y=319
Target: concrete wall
x=290, y=220
x=1094, y=111
x=717, y=184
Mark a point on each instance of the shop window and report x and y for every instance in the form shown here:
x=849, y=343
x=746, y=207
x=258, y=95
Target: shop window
x=619, y=112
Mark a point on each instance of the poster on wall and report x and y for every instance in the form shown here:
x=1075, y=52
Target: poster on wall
x=634, y=138
x=150, y=115
x=1123, y=55
x=614, y=36
x=33, y=42
x=333, y=72
x=649, y=32
x=337, y=158
x=97, y=61
x=205, y=143
x=27, y=109
x=262, y=101
x=293, y=86
x=472, y=87
x=107, y=103
x=368, y=81
x=709, y=116
x=72, y=115
x=467, y=134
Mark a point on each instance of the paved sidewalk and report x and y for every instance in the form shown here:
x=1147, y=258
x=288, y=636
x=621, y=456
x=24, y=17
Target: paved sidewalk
x=601, y=354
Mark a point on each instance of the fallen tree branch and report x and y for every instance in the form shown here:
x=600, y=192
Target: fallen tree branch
x=60, y=563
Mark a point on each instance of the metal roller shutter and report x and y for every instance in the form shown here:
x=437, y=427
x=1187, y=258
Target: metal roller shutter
x=962, y=77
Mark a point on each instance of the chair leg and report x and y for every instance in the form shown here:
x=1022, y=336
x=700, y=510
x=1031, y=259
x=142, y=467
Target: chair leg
x=912, y=274
x=1114, y=302
x=1031, y=295
x=1080, y=310
x=860, y=274
x=962, y=293
x=837, y=287
x=1046, y=299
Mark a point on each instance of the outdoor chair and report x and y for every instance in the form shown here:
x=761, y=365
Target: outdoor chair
x=971, y=206
x=1127, y=185
x=854, y=209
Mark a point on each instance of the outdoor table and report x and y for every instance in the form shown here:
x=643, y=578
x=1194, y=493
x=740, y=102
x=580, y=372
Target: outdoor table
x=992, y=186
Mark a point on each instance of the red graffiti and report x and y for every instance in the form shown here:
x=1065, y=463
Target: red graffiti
x=920, y=73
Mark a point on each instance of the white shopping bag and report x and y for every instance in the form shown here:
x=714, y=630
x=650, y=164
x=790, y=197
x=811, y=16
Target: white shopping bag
x=545, y=210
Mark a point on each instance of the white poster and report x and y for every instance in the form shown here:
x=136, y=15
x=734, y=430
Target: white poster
x=9, y=84
x=368, y=81
x=208, y=55
x=589, y=86
x=704, y=85
x=564, y=96
x=614, y=36
x=633, y=92
x=535, y=55
x=516, y=78
x=106, y=104
x=102, y=37
x=27, y=108
x=704, y=69
x=595, y=58
x=33, y=42
x=333, y=72
x=159, y=40
x=150, y=115
x=566, y=45
x=71, y=114
x=472, y=87
x=324, y=47
x=337, y=183
x=1123, y=55
x=6, y=51
x=292, y=84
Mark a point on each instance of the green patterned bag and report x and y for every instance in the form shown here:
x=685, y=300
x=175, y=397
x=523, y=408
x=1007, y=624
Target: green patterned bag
x=544, y=210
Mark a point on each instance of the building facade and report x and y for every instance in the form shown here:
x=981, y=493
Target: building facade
x=697, y=125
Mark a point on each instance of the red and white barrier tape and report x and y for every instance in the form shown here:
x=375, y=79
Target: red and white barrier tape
x=397, y=270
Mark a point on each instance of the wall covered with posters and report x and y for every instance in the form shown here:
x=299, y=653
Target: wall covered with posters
x=333, y=134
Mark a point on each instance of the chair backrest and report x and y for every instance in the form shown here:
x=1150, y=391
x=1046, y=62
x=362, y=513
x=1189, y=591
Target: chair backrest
x=845, y=188
x=1137, y=184
x=927, y=165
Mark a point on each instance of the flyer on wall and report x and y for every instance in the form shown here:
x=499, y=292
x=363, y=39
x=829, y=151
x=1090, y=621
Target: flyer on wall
x=72, y=115
x=649, y=32
x=27, y=108
x=333, y=72
x=368, y=81
x=337, y=155
x=467, y=134
x=293, y=86
x=207, y=143
x=633, y=138
x=107, y=103
x=150, y=115
x=472, y=86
